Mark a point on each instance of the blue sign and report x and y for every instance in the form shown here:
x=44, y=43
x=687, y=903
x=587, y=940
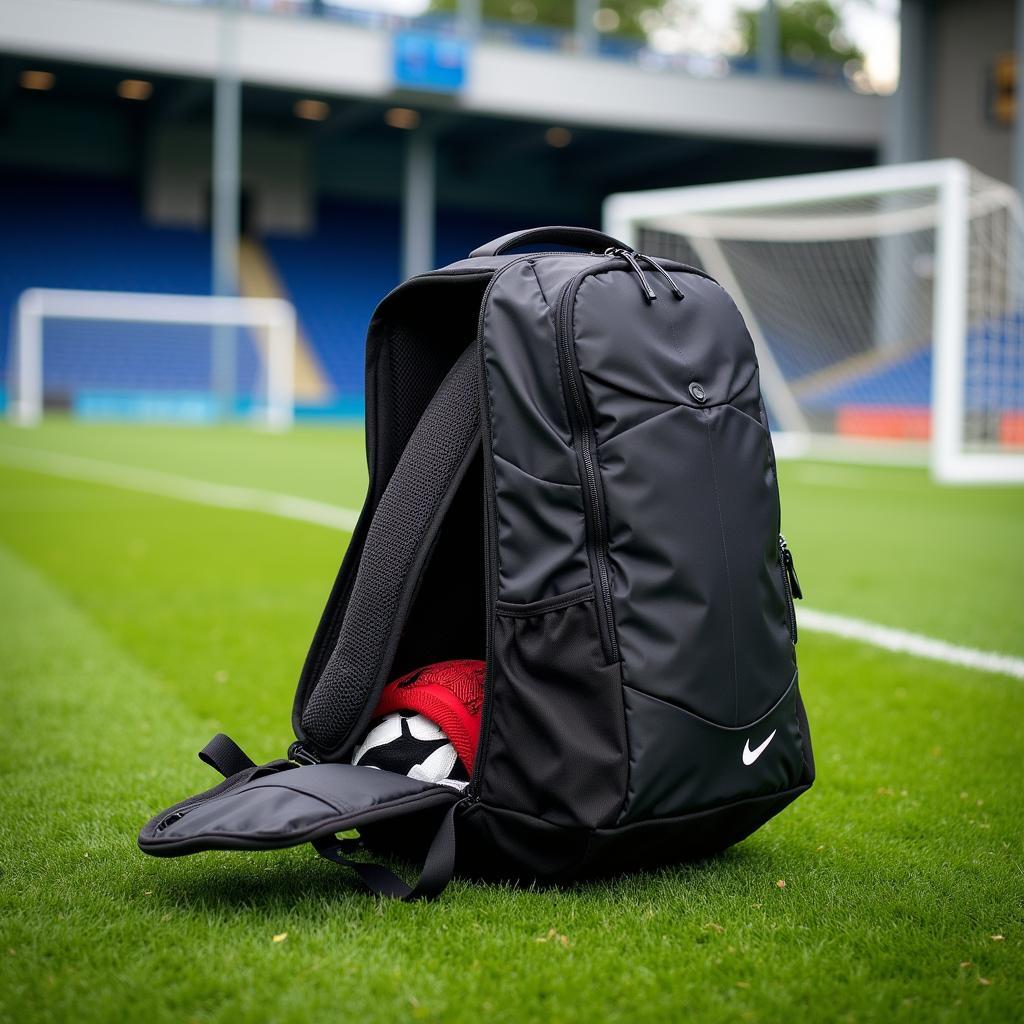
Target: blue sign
x=431, y=62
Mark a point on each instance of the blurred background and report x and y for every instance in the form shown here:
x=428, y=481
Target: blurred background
x=201, y=203
x=318, y=151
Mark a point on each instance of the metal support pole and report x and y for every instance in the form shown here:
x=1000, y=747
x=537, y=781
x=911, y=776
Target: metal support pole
x=908, y=134
x=584, y=26
x=418, y=204
x=227, y=134
x=769, y=40
x=901, y=298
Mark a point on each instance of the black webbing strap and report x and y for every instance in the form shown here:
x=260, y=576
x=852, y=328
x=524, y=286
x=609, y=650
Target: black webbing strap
x=224, y=755
x=437, y=867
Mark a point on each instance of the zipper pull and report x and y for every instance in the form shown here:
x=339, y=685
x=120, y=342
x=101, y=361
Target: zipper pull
x=676, y=290
x=787, y=561
x=645, y=286
x=300, y=755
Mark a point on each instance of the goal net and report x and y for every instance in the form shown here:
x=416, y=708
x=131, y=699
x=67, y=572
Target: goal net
x=146, y=356
x=886, y=305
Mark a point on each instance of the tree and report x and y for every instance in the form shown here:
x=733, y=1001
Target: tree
x=809, y=31
x=618, y=17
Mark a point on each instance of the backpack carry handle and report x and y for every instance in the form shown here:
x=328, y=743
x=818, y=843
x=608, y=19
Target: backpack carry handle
x=574, y=238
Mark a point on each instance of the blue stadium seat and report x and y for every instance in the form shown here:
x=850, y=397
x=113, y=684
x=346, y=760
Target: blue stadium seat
x=87, y=233
x=337, y=275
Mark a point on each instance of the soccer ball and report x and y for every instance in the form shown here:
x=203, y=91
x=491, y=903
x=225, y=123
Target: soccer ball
x=413, y=745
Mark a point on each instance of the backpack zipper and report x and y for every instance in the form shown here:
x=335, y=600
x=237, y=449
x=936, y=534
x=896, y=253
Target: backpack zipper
x=790, y=584
x=301, y=754
x=631, y=258
x=676, y=290
x=586, y=448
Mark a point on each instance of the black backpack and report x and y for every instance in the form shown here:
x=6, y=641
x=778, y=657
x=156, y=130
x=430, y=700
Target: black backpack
x=571, y=478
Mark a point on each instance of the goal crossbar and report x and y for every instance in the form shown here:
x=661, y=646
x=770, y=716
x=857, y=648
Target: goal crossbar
x=36, y=305
x=758, y=211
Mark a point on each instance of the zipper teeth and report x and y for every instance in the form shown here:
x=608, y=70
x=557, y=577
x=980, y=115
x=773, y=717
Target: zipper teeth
x=787, y=586
x=584, y=437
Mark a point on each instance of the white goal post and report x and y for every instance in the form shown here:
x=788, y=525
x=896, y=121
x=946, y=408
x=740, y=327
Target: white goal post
x=886, y=304
x=205, y=331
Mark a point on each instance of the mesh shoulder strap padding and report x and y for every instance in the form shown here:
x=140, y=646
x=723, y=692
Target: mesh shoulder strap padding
x=397, y=548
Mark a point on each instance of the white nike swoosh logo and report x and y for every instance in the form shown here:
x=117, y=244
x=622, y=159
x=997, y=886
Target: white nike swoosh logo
x=750, y=756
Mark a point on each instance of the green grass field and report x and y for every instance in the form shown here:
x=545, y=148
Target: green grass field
x=136, y=625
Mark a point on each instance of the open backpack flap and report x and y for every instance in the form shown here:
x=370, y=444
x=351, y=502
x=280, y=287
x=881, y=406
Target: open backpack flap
x=571, y=480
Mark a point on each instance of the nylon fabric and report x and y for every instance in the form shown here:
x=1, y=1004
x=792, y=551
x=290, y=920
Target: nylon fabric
x=691, y=500
x=540, y=516
x=557, y=747
x=713, y=771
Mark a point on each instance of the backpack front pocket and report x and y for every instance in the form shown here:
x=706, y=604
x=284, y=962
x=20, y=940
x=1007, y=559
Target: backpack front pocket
x=702, y=614
x=681, y=763
x=555, y=746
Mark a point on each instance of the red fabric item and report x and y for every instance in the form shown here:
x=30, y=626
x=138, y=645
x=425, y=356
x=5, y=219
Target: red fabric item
x=449, y=693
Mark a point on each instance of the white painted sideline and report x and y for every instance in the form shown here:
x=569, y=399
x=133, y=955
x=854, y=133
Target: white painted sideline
x=288, y=506
x=182, y=488
x=910, y=643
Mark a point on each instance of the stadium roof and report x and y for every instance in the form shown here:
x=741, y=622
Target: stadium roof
x=503, y=79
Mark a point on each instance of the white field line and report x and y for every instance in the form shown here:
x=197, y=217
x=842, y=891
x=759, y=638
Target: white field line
x=287, y=506
x=910, y=643
x=182, y=488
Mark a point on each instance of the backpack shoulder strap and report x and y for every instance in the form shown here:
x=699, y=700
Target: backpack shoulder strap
x=438, y=866
x=398, y=546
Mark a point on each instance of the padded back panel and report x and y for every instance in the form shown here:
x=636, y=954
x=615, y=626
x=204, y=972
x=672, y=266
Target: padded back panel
x=398, y=545
x=416, y=335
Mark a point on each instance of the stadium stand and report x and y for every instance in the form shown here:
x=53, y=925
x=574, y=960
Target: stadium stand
x=335, y=294
x=85, y=233
x=64, y=232
x=77, y=232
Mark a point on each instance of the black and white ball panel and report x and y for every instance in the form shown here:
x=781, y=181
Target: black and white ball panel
x=412, y=745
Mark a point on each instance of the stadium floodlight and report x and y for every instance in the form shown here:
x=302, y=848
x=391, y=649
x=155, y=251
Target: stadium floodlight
x=152, y=356
x=886, y=305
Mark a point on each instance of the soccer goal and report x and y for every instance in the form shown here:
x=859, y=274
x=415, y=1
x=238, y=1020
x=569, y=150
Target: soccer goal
x=886, y=305
x=147, y=356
